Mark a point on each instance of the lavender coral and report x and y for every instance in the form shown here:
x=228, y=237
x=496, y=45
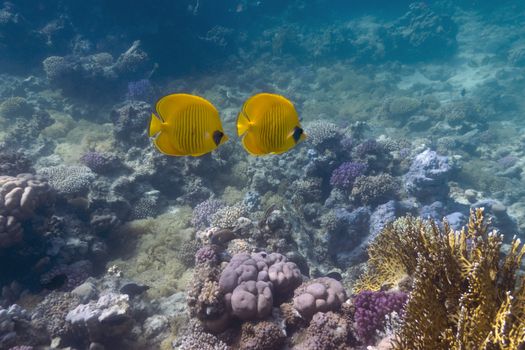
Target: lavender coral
x=99, y=162
x=249, y=282
x=204, y=211
x=319, y=295
x=345, y=175
x=371, y=308
x=20, y=198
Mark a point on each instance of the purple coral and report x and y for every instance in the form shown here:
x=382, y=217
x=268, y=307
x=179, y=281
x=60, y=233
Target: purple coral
x=319, y=295
x=345, y=175
x=371, y=309
x=367, y=147
x=250, y=282
x=203, y=212
x=507, y=161
x=97, y=161
x=140, y=90
x=347, y=144
x=206, y=254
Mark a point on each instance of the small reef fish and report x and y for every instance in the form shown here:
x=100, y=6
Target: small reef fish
x=269, y=124
x=186, y=125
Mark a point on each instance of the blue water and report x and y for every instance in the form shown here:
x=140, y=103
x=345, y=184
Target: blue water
x=409, y=108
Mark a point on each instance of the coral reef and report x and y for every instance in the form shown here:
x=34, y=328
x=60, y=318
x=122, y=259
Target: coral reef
x=375, y=189
x=327, y=331
x=108, y=317
x=204, y=212
x=319, y=295
x=263, y=335
x=371, y=309
x=428, y=175
x=20, y=198
x=95, y=73
x=345, y=175
x=13, y=163
x=421, y=34
x=250, y=281
x=98, y=162
x=462, y=285
x=67, y=180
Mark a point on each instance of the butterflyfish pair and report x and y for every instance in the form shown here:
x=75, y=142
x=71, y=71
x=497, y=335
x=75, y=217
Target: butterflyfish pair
x=188, y=125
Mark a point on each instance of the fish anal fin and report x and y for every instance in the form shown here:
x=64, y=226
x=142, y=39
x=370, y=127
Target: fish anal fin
x=250, y=144
x=162, y=142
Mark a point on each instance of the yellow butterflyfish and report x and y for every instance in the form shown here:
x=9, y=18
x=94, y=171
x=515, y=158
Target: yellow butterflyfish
x=269, y=124
x=186, y=125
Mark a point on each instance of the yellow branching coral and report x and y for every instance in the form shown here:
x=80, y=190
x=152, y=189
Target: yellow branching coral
x=464, y=295
x=393, y=254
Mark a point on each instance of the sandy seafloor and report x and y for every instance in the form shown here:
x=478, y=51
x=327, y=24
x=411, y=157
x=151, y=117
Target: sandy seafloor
x=105, y=255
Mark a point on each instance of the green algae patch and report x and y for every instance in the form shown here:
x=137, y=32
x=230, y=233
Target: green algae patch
x=148, y=251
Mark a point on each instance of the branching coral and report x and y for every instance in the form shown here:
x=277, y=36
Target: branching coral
x=465, y=295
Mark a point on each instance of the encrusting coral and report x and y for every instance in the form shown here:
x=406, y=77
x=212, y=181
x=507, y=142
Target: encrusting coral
x=465, y=293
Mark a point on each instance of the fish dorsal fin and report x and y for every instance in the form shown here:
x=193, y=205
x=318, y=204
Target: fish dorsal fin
x=171, y=106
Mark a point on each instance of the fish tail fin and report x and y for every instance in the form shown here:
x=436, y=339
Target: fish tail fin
x=243, y=123
x=155, y=125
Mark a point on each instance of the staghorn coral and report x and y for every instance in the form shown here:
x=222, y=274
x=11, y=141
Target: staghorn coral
x=465, y=294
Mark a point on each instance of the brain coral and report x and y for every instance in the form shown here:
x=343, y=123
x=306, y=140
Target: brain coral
x=20, y=197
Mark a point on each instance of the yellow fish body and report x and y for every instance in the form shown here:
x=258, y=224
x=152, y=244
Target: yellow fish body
x=186, y=125
x=269, y=124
